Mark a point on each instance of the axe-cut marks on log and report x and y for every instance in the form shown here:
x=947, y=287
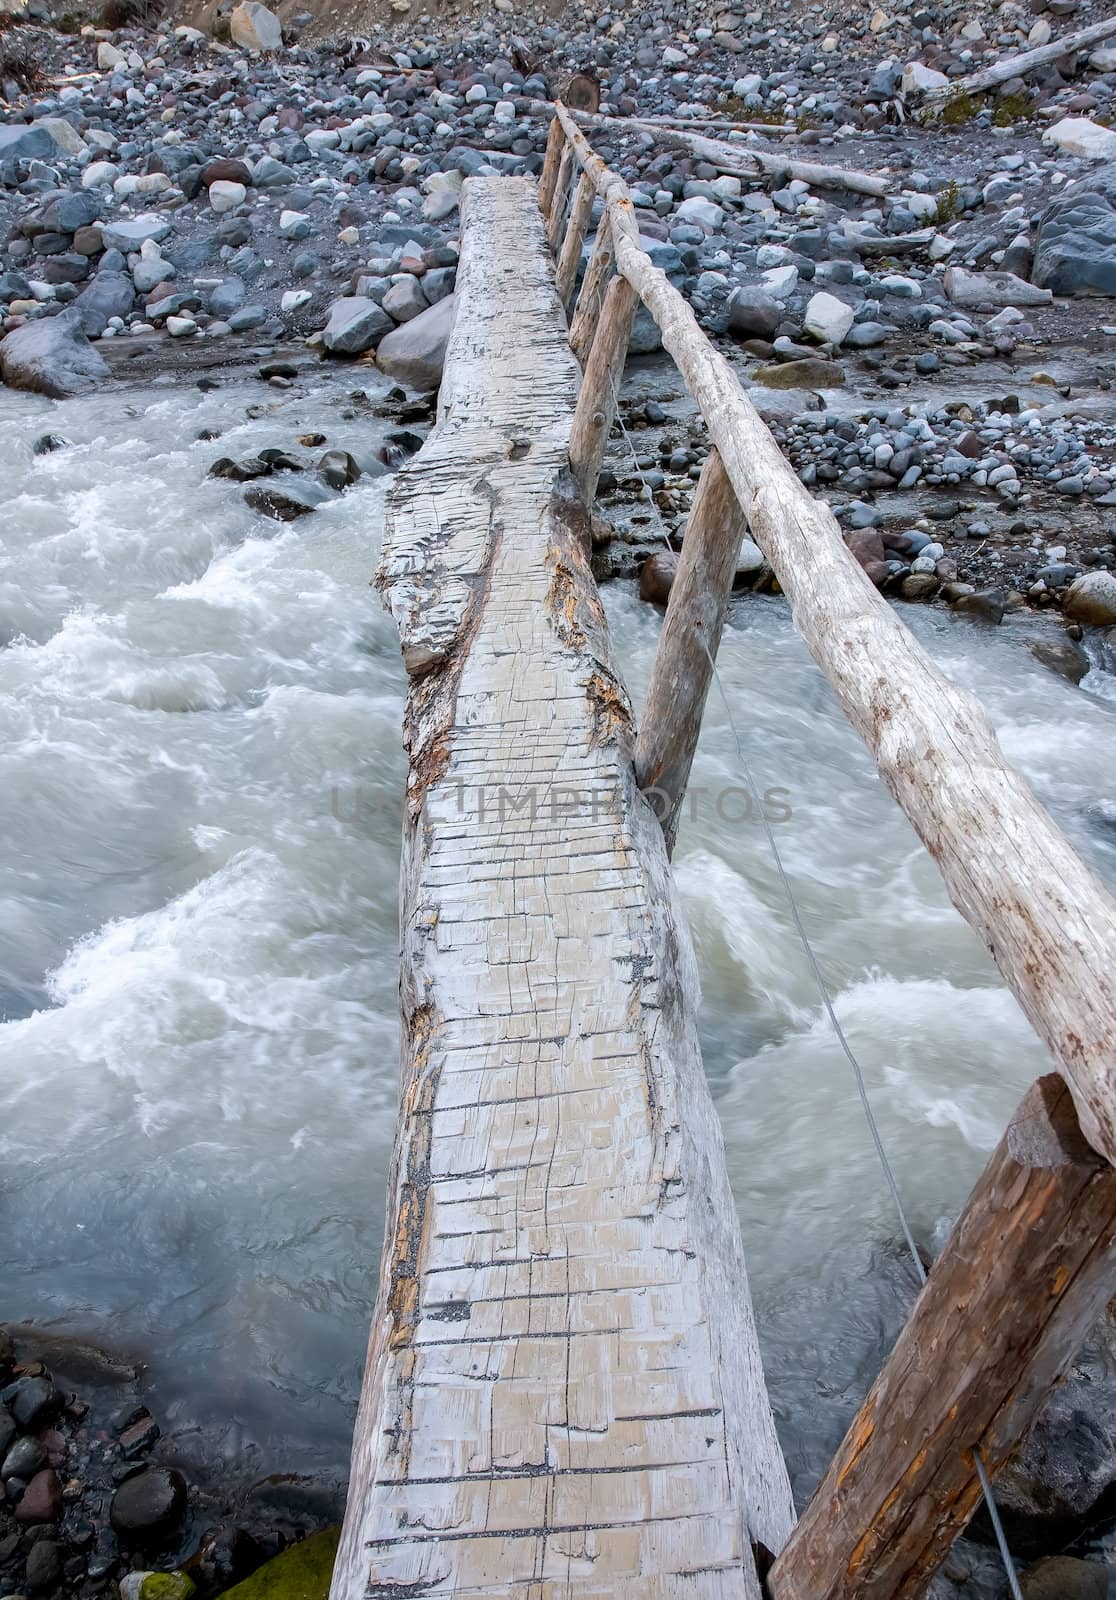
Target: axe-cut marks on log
x=563, y=1394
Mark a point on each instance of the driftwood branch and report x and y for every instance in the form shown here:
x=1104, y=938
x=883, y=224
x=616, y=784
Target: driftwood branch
x=744, y=161
x=1027, y=1270
x=1048, y=921
x=1019, y=66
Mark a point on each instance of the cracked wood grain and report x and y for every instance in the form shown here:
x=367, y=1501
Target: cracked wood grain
x=563, y=1395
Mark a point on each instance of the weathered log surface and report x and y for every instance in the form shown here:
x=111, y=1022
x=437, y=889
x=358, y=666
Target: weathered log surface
x=1028, y=1268
x=563, y=1394
x=1048, y=921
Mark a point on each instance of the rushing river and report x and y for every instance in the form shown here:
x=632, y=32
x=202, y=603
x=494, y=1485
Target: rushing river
x=200, y=769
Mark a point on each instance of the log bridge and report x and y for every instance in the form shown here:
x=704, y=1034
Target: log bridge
x=563, y=1394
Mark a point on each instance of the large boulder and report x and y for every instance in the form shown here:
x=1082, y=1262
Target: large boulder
x=1076, y=248
x=991, y=289
x=19, y=142
x=827, y=319
x=110, y=294
x=415, y=353
x=753, y=314
x=254, y=27
x=51, y=356
x=355, y=325
x=1090, y=598
x=1077, y=136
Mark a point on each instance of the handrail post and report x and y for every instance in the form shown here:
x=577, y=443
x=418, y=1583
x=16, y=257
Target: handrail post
x=600, y=386
x=556, y=222
x=1028, y=1268
x=570, y=256
x=555, y=145
x=691, y=633
x=587, y=313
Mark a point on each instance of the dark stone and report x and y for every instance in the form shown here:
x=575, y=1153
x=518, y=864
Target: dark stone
x=1064, y=1578
x=139, y=1437
x=42, y=1499
x=148, y=1505
x=1063, y=656
x=1075, y=252
x=24, y=1459
x=286, y=502
x=752, y=314
x=987, y=605
x=227, y=171
x=243, y=471
x=110, y=294
x=44, y=1567
x=227, y=1556
x=32, y=1401
x=656, y=577
x=338, y=469
x=48, y=442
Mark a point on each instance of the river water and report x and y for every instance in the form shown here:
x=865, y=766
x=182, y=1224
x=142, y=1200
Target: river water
x=200, y=766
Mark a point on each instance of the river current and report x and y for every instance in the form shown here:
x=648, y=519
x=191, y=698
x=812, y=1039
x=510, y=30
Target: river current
x=200, y=768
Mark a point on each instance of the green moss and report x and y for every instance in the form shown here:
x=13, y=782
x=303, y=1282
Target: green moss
x=961, y=109
x=1011, y=109
x=166, y=1586
x=302, y=1572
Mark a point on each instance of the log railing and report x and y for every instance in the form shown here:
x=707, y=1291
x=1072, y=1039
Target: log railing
x=1031, y=1259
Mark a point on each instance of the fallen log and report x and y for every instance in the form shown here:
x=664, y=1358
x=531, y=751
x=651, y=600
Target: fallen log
x=746, y=161
x=1019, y=66
x=563, y=1394
x=1027, y=1270
x=1048, y=921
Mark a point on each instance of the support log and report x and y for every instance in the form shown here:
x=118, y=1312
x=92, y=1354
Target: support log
x=1028, y=1268
x=691, y=633
x=1019, y=66
x=590, y=302
x=745, y=161
x=600, y=387
x=563, y=1398
x=570, y=258
x=1048, y=921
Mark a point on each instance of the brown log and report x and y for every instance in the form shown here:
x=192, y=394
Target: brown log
x=590, y=302
x=1019, y=66
x=691, y=633
x=1047, y=919
x=570, y=257
x=1028, y=1267
x=555, y=147
x=600, y=387
x=559, y=205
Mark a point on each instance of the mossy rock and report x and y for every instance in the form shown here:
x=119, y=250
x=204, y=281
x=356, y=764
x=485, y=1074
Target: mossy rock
x=302, y=1572
x=156, y=1586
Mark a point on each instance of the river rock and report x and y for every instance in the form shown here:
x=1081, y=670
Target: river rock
x=24, y=1459
x=286, y=502
x=752, y=314
x=42, y=1499
x=806, y=374
x=338, y=469
x=415, y=352
x=224, y=196
x=131, y=233
x=355, y=325
x=254, y=27
x=32, y=1401
x=226, y=171
x=827, y=319
x=44, y=1567
x=656, y=577
x=51, y=356
x=1063, y=656
x=918, y=78
x=986, y=605
x=977, y=289
x=110, y=294
x=1064, y=1578
x=1090, y=599
x=148, y=1505
x=1075, y=252
x=1077, y=136
x=22, y=143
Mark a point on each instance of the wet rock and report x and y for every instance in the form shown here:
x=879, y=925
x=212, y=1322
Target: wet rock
x=148, y=1505
x=919, y=586
x=254, y=27
x=226, y=1556
x=415, y=352
x=157, y=1586
x=42, y=1499
x=338, y=469
x=355, y=325
x=32, y=1401
x=139, y=1437
x=24, y=1459
x=44, y=1567
x=657, y=575
x=1090, y=599
x=288, y=501
x=1064, y=1578
x=986, y=605
x=302, y=1572
x=1064, y=656
x=1075, y=252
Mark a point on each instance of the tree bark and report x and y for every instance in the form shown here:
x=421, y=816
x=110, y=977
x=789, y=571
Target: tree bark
x=570, y=258
x=600, y=387
x=1027, y=1270
x=590, y=302
x=563, y=1395
x=691, y=633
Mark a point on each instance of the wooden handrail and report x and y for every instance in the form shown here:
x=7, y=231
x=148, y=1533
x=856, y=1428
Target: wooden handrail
x=1048, y=921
